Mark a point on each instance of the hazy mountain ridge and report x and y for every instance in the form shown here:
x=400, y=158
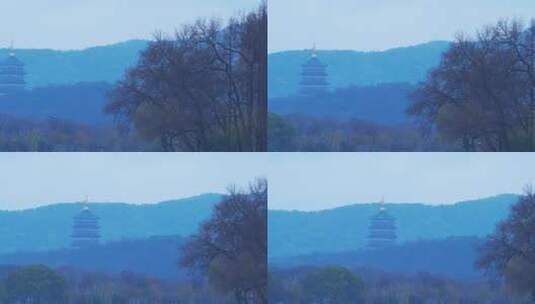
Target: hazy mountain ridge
x=70, y=85
x=345, y=68
x=369, y=99
x=97, y=64
x=49, y=227
x=384, y=103
x=82, y=102
x=159, y=255
x=108, y=63
x=293, y=233
x=425, y=256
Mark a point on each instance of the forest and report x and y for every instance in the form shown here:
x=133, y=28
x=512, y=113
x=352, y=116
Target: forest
x=41, y=284
x=295, y=132
x=336, y=284
x=59, y=135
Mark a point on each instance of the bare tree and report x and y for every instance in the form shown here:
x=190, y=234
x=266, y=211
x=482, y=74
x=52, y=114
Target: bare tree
x=231, y=248
x=482, y=94
x=509, y=252
x=203, y=89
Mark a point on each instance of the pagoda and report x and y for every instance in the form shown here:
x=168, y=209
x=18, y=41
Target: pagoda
x=85, y=229
x=313, y=76
x=382, y=229
x=11, y=75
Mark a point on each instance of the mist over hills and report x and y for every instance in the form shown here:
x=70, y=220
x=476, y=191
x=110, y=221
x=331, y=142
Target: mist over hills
x=81, y=102
x=372, y=85
x=48, y=228
x=293, y=233
x=108, y=63
x=427, y=256
x=345, y=68
x=159, y=255
x=98, y=64
x=384, y=103
x=70, y=85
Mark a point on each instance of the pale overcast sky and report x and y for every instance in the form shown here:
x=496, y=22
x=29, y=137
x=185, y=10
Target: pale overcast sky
x=325, y=180
x=304, y=181
x=381, y=24
x=36, y=179
x=75, y=24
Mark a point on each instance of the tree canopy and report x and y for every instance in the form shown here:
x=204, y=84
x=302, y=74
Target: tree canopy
x=35, y=284
x=333, y=285
x=482, y=95
x=509, y=252
x=204, y=89
x=231, y=247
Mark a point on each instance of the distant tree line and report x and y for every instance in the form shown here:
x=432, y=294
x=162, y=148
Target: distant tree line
x=407, y=257
x=58, y=135
x=78, y=102
x=384, y=103
x=288, y=133
x=112, y=257
x=204, y=89
x=37, y=284
x=335, y=284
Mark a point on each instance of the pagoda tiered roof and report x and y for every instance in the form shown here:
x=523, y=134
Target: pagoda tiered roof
x=85, y=229
x=382, y=230
x=12, y=75
x=313, y=76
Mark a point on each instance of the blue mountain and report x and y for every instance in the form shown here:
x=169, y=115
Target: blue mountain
x=70, y=85
x=108, y=63
x=293, y=233
x=384, y=104
x=159, y=256
x=82, y=103
x=49, y=227
x=346, y=68
x=450, y=257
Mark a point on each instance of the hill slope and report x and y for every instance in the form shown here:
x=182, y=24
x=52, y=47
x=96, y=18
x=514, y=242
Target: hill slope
x=428, y=256
x=107, y=64
x=159, y=256
x=407, y=64
x=49, y=227
x=385, y=104
x=82, y=103
x=293, y=233
x=98, y=64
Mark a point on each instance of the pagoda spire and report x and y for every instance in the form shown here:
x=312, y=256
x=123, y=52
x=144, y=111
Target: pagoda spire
x=86, y=202
x=11, y=49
